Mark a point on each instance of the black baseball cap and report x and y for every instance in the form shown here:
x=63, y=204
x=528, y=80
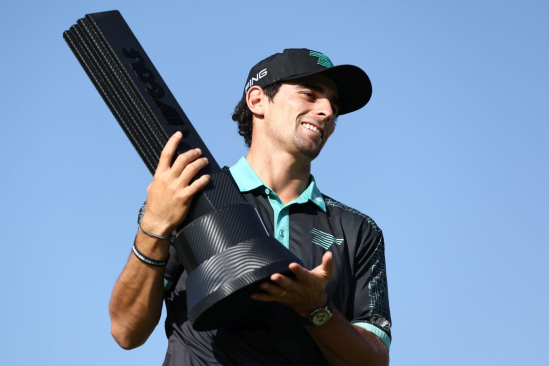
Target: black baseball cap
x=355, y=88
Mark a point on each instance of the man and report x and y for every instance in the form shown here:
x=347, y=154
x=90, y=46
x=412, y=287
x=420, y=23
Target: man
x=335, y=310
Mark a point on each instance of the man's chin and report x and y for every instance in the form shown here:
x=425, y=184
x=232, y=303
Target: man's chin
x=310, y=153
x=308, y=148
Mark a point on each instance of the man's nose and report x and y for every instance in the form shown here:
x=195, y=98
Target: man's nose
x=324, y=108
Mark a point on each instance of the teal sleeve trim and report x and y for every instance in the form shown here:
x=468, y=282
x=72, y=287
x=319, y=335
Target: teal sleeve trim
x=167, y=284
x=378, y=332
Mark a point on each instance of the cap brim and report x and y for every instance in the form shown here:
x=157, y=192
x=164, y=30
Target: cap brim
x=355, y=88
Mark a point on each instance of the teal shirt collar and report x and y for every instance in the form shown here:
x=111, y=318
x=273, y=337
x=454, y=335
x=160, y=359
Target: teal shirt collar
x=247, y=180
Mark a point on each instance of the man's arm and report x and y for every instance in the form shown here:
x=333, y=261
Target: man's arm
x=136, y=300
x=345, y=344
x=340, y=342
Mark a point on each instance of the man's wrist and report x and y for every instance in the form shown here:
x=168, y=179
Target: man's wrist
x=318, y=316
x=152, y=235
x=153, y=262
x=322, y=304
x=152, y=246
x=304, y=313
x=155, y=226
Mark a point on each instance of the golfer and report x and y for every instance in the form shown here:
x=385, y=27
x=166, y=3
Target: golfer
x=335, y=309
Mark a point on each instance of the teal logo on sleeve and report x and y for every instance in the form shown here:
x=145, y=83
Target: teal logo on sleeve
x=167, y=284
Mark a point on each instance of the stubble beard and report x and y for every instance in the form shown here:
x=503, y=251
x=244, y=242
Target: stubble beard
x=306, y=148
x=296, y=143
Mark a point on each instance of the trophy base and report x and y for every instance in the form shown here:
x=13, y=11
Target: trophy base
x=218, y=291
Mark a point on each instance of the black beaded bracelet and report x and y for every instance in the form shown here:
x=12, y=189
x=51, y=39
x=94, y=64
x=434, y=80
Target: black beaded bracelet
x=148, y=260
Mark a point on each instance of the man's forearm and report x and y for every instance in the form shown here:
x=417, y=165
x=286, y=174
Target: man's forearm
x=136, y=300
x=344, y=344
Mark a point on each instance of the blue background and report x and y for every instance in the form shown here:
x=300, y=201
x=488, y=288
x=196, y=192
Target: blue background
x=449, y=157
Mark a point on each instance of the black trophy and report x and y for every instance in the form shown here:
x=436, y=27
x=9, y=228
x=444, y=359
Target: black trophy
x=223, y=243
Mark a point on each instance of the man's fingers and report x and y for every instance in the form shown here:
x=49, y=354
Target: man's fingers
x=168, y=151
x=327, y=265
x=183, y=161
x=282, y=281
x=324, y=270
x=191, y=170
x=300, y=272
x=264, y=297
x=272, y=293
x=273, y=289
x=198, y=184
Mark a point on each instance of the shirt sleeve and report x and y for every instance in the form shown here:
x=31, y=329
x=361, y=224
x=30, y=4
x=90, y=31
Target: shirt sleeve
x=372, y=297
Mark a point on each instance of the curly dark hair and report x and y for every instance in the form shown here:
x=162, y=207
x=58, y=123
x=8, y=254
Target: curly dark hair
x=243, y=116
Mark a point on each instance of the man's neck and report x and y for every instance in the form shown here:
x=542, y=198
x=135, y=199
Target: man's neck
x=282, y=172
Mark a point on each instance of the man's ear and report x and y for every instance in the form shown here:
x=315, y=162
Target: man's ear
x=255, y=100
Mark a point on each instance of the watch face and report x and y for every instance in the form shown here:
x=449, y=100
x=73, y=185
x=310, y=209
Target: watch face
x=321, y=317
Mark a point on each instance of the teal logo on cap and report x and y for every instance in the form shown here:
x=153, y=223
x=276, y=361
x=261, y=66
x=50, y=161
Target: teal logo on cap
x=322, y=59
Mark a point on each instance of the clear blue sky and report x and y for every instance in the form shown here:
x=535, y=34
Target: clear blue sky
x=450, y=157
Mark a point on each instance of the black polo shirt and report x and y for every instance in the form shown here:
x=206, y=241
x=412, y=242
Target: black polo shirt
x=308, y=226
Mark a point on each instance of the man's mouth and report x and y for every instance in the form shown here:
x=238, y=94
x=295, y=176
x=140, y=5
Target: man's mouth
x=312, y=128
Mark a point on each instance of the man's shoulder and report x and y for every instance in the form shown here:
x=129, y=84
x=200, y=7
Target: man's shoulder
x=337, y=208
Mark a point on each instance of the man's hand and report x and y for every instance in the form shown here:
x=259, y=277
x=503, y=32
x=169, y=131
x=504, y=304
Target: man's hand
x=303, y=293
x=169, y=196
x=339, y=341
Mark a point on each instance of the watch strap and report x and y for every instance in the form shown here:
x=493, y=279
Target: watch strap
x=327, y=311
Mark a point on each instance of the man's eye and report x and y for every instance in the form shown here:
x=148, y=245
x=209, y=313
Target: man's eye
x=309, y=94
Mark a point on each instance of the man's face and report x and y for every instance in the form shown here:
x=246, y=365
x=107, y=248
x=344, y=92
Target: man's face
x=301, y=117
